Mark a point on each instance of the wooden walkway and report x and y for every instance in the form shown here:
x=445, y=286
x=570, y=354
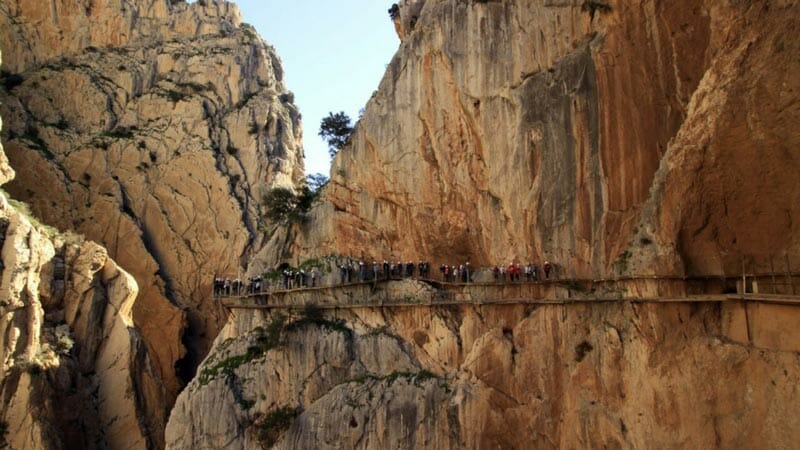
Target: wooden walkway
x=432, y=293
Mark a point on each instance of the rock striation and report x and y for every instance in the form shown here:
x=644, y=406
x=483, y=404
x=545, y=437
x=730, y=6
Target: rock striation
x=151, y=127
x=575, y=375
x=74, y=371
x=608, y=137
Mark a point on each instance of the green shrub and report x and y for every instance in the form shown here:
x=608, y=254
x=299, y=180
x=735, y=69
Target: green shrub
x=285, y=207
x=336, y=130
x=274, y=424
x=266, y=340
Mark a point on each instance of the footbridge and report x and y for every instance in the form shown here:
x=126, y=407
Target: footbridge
x=418, y=292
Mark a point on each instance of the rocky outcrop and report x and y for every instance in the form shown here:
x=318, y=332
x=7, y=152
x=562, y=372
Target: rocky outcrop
x=576, y=375
x=608, y=137
x=151, y=127
x=74, y=372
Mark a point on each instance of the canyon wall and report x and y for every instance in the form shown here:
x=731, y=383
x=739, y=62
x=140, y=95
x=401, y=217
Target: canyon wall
x=575, y=375
x=74, y=371
x=612, y=138
x=151, y=127
x=644, y=137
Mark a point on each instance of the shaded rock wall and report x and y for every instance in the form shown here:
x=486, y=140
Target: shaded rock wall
x=616, y=375
x=151, y=127
x=74, y=372
x=606, y=137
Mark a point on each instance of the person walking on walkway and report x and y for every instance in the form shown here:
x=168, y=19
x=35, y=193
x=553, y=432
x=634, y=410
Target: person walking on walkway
x=547, y=268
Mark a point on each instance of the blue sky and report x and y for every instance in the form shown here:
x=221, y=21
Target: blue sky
x=334, y=54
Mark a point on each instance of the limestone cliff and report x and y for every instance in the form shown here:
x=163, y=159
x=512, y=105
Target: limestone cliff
x=575, y=375
x=74, y=372
x=151, y=127
x=608, y=137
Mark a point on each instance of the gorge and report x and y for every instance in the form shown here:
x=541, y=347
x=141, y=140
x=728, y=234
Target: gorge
x=616, y=139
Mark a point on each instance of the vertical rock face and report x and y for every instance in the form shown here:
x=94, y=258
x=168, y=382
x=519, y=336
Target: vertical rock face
x=74, y=372
x=621, y=375
x=604, y=136
x=151, y=127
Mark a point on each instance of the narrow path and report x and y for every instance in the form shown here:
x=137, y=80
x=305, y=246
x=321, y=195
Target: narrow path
x=430, y=293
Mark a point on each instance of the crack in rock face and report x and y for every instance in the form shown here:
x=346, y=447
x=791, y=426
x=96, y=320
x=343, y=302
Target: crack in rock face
x=157, y=143
x=572, y=374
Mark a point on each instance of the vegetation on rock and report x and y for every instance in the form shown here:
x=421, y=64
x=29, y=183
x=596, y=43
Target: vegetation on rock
x=274, y=424
x=266, y=340
x=284, y=206
x=336, y=130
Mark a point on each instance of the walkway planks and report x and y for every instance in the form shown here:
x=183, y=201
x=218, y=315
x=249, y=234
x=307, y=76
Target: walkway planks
x=436, y=293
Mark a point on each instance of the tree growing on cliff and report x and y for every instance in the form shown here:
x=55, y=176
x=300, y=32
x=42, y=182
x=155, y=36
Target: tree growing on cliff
x=284, y=206
x=315, y=181
x=394, y=11
x=336, y=130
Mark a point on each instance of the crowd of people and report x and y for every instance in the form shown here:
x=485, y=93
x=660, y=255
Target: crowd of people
x=358, y=271
x=225, y=287
x=514, y=272
x=352, y=271
x=295, y=279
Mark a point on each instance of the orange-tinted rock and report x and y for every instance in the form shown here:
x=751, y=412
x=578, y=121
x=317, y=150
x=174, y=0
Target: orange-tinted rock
x=74, y=371
x=153, y=128
x=647, y=138
x=623, y=375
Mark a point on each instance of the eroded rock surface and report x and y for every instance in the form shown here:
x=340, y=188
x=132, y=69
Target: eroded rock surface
x=620, y=375
x=151, y=127
x=607, y=137
x=74, y=371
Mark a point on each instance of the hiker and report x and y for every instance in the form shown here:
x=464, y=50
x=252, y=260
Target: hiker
x=467, y=273
x=385, y=270
x=547, y=269
x=496, y=273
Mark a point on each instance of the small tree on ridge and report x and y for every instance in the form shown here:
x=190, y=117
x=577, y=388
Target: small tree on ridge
x=336, y=130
